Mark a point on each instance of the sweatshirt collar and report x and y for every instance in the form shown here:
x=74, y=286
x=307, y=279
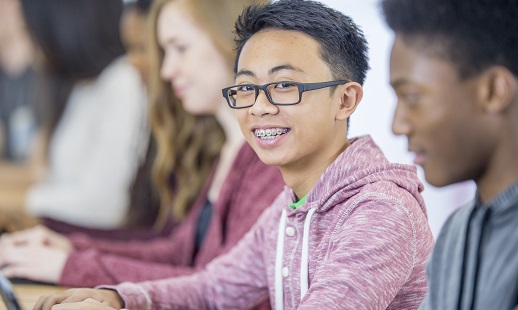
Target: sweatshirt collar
x=361, y=163
x=503, y=201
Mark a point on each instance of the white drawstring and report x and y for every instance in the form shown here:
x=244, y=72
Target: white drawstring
x=279, y=289
x=304, y=266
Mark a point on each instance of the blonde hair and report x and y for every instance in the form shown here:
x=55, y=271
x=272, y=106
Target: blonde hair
x=188, y=145
x=218, y=17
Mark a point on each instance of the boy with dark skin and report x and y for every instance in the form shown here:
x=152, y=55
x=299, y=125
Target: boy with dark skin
x=454, y=68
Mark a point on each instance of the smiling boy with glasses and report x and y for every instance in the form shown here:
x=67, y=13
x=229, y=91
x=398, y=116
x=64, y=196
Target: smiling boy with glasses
x=350, y=229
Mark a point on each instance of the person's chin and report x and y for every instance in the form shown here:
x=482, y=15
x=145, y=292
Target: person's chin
x=264, y=155
x=268, y=160
x=435, y=179
x=190, y=107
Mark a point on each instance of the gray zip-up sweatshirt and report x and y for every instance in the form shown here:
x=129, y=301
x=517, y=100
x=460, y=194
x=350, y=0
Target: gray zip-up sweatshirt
x=475, y=261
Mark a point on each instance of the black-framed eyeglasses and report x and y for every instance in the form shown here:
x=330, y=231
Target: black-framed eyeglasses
x=278, y=93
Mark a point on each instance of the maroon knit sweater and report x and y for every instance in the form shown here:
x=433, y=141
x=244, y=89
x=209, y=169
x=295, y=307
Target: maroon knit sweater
x=249, y=188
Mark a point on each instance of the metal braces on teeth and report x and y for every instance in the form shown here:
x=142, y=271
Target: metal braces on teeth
x=261, y=133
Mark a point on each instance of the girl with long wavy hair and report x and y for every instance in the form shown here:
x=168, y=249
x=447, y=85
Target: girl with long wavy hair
x=192, y=49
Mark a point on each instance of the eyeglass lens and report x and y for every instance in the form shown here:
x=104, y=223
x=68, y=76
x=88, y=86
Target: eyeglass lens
x=280, y=93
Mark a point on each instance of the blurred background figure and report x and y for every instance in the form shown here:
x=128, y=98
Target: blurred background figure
x=17, y=84
x=94, y=114
x=18, y=121
x=144, y=204
x=211, y=184
x=134, y=31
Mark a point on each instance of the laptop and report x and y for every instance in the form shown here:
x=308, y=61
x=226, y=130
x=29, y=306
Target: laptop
x=8, y=296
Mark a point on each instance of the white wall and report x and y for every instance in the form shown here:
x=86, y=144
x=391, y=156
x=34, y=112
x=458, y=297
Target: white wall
x=374, y=115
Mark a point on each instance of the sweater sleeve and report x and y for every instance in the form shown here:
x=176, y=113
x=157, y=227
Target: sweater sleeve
x=112, y=262
x=114, y=269
x=157, y=249
x=235, y=280
x=370, y=258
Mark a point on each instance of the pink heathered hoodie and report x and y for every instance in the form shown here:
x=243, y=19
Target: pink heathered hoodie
x=360, y=241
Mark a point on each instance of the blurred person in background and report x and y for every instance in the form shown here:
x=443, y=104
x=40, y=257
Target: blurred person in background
x=199, y=144
x=454, y=69
x=144, y=201
x=144, y=204
x=17, y=84
x=18, y=124
x=94, y=113
x=134, y=29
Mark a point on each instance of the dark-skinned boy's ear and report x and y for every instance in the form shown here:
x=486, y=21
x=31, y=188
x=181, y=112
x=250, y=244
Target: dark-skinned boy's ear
x=499, y=89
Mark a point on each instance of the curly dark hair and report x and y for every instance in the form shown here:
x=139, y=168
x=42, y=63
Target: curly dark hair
x=343, y=45
x=473, y=35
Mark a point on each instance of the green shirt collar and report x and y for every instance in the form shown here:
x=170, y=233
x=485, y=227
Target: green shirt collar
x=299, y=203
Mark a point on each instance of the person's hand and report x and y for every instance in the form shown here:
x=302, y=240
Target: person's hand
x=39, y=235
x=89, y=304
x=84, y=298
x=32, y=261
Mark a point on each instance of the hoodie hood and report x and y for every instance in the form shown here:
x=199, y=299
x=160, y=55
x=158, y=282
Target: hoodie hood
x=362, y=163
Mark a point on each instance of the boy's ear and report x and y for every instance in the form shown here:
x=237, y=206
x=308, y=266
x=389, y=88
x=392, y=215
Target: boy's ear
x=350, y=96
x=498, y=89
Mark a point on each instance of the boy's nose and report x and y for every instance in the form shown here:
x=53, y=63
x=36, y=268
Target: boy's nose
x=400, y=123
x=263, y=106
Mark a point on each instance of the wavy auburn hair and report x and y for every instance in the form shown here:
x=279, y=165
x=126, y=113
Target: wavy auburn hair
x=188, y=145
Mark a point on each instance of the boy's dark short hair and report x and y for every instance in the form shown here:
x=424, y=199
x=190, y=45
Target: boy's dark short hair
x=471, y=34
x=342, y=43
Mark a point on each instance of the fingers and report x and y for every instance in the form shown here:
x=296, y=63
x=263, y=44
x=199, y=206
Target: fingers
x=55, y=239
x=46, y=302
x=10, y=255
x=37, y=236
x=38, y=263
x=31, y=235
x=75, y=299
x=15, y=263
x=15, y=271
x=89, y=304
x=13, y=254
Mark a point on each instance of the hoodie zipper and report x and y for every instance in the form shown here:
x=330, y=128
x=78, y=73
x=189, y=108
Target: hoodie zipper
x=485, y=220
